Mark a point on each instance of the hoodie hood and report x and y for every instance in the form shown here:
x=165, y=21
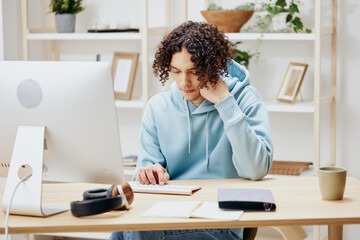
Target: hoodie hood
x=237, y=79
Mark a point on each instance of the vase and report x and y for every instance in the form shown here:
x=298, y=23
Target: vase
x=228, y=20
x=65, y=23
x=279, y=23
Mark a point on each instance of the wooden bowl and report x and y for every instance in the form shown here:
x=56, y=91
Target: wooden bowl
x=228, y=20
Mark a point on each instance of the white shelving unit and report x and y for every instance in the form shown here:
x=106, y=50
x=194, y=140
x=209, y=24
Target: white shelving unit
x=143, y=36
x=313, y=107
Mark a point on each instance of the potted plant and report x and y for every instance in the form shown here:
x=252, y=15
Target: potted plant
x=228, y=20
x=290, y=12
x=278, y=16
x=242, y=57
x=65, y=11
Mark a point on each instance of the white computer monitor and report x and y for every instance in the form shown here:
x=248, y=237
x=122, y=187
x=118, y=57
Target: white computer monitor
x=74, y=101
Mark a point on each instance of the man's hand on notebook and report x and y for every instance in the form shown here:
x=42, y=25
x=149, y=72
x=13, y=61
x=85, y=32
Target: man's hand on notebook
x=153, y=174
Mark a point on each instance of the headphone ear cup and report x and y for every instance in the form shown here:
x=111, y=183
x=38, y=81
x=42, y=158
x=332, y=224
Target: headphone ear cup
x=95, y=194
x=95, y=206
x=109, y=191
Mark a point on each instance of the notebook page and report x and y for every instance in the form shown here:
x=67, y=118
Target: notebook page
x=181, y=209
x=212, y=210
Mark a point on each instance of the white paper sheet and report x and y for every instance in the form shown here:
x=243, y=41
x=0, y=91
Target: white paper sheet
x=187, y=209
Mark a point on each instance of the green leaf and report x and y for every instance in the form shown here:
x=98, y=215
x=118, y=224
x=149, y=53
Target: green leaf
x=239, y=56
x=66, y=6
x=308, y=30
x=281, y=3
x=297, y=22
x=288, y=18
x=246, y=7
x=294, y=8
x=276, y=10
x=214, y=7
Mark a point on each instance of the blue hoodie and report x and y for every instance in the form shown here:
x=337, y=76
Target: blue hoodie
x=230, y=139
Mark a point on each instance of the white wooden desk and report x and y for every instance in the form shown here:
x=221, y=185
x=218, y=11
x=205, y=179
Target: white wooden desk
x=298, y=203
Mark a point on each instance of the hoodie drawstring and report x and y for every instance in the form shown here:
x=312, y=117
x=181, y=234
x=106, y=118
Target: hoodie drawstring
x=207, y=133
x=189, y=126
x=207, y=140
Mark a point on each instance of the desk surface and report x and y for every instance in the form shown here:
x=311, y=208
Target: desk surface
x=298, y=202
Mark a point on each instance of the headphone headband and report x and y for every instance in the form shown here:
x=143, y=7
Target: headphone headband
x=95, y=206
x=98, y=201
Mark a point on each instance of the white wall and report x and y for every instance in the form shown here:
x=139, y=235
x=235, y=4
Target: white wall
x=348, y=115
x=349, y=101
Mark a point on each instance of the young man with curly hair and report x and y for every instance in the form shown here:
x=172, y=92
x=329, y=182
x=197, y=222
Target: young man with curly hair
x=211, y=125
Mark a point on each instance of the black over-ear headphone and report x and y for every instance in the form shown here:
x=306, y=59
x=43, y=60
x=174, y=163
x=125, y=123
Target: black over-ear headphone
x=102, y=200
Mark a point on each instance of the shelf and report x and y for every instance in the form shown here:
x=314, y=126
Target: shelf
x=271, y=36
x=298, y=107
x=135, y=103
x=84, y=36
x=45, y=35
x=138, y=36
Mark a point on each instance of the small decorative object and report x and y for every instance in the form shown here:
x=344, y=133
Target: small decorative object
x=292, y=82
x=101, y=26
x=65, y=11
x=123, y=72
x=228, y=20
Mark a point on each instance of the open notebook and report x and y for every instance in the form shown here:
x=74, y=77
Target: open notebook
x=190, y=209
x=165, y=189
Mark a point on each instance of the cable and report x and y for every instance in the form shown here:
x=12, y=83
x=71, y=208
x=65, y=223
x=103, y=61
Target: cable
x=9, y=206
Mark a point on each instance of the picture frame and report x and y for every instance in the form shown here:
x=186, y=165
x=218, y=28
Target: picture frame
x=292, y=82
x=124, y=68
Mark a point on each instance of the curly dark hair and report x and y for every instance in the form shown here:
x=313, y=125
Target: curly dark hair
x=209, y=47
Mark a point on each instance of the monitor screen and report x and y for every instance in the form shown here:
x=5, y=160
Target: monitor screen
x=75, y=103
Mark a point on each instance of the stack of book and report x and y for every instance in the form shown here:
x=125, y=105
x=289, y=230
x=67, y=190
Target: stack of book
x=130, y=161
x=289, y=167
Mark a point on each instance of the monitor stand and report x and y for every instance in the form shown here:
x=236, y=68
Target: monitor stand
x=28, y=151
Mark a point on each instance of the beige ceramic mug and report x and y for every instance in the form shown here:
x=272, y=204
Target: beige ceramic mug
x=332, y=182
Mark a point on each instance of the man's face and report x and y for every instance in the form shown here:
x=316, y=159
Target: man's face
x=183, y=71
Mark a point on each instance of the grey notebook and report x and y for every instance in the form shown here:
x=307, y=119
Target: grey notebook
x=246, y=199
